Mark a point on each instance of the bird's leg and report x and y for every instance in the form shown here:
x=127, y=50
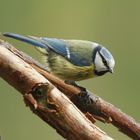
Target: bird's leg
x=83, y=95
x=83, y=99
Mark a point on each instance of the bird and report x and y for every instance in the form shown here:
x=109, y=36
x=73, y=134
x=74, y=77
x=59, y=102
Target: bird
x=71, y=59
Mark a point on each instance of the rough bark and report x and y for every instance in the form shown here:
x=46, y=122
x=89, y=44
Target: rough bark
x=97, y=108
x=45, y=100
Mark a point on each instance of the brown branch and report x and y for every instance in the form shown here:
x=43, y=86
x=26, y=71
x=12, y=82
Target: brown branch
x=46, y=100
x=125, y=123
x=99, y=108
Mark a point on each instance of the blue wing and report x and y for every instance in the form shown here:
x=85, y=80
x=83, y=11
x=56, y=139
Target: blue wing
x=58, y=46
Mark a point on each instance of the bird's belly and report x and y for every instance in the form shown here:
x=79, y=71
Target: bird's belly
x=63, y=69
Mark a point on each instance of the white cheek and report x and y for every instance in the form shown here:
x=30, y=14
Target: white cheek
x=99, y=66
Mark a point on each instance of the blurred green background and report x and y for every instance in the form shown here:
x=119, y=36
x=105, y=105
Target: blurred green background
x=115, y=24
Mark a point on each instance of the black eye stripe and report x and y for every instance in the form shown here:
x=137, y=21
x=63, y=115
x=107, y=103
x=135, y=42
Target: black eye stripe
x=104, y=61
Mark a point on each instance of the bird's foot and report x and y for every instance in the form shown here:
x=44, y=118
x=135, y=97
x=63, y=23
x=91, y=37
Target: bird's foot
x=83, y=95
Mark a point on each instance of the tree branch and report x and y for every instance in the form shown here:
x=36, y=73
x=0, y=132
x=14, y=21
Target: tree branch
x=97, y=108
x=46, y=100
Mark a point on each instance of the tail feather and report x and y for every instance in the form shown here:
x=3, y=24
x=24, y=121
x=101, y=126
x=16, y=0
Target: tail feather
x=28, y=40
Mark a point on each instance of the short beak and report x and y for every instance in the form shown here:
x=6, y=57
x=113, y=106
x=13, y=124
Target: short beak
x=110, y=70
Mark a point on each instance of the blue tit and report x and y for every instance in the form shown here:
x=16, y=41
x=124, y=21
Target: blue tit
x=71, y=59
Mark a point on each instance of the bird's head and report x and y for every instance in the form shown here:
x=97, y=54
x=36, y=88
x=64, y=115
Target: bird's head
x=103, y=61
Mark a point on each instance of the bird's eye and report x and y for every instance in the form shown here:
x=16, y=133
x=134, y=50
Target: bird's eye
x=104, y=61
